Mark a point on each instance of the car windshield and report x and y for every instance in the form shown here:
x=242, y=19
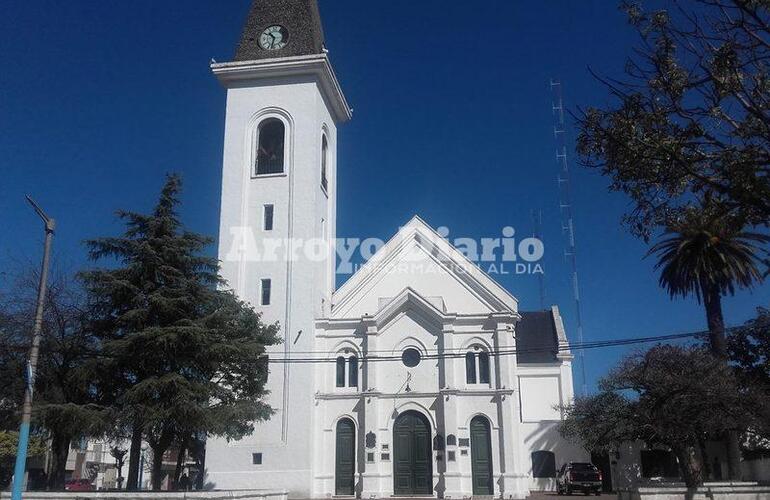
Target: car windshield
x=581, y=466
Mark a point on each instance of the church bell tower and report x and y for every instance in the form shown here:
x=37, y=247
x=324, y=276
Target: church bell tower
x=278, y=223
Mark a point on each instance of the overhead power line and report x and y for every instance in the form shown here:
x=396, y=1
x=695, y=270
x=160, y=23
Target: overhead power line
x=504, y=352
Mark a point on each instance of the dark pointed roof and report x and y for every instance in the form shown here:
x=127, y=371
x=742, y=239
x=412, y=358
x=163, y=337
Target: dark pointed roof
x=300, y=17
x=536, y=338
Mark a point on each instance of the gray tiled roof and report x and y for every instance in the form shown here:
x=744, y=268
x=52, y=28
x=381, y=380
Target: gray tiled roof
x=536, y=338
x=299, y=17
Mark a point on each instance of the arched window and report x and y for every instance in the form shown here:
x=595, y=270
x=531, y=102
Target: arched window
x=543, y=464
x=352, y=371
x=324, y=159
x=483, y=367
x=477, y=366
x=470, y=368
x=270, y=147
x=340, y=371
x=346, y=368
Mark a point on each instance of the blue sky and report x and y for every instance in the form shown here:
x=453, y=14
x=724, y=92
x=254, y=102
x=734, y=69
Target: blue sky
x=452, y=122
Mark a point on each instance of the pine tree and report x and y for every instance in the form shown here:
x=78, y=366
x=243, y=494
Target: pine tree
x=180, y=354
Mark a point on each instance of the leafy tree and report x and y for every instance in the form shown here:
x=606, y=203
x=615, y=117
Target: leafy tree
x=708, y=256
x=179, y=355
x=692, y=114
x=12, y=362
x=688, y=140
x=9, y=442
x=749, y=348
x=671, y=396
x=64, y=407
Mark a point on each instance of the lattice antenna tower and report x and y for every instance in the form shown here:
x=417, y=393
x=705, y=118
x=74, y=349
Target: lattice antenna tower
x=567, y=213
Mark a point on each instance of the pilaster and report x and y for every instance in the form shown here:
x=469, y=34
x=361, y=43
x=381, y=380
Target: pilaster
x=452, y=487
x=370, y=477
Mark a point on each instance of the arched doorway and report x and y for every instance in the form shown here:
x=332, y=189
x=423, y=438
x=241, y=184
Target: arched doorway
x=412, y=457
x=345, y=457
x=481, y=456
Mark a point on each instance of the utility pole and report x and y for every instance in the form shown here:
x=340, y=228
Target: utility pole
x=26, y=414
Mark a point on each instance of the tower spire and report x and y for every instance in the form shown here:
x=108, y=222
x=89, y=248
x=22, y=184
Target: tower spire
x=281, y=28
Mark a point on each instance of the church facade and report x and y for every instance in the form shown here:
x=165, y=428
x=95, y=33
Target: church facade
x=418, y=376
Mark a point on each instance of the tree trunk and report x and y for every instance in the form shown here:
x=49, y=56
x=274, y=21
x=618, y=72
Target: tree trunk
x=159, y=448
x=157, y=468
x=119, y=465
x=690, y=465
x=60, y=447
x=733, y=456
x=134, y=456
x=180, y=458
x=712, y=300
x=707, y=472
x=200, y=460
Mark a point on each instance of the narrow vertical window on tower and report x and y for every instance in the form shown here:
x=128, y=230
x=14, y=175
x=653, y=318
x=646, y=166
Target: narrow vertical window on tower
x=268, y=218
x=265, y=286
x=270, y=147
x=324, y=160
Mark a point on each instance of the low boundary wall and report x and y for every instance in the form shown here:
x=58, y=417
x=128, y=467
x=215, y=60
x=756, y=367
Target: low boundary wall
x=154, y=495
x=709, y=491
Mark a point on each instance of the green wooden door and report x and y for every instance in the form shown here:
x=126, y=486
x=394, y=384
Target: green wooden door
x=412, y=464
x=481, y=456
x=345, y=458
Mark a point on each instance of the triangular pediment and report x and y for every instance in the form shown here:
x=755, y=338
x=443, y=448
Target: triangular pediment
x=409, y=301
x=419, y=259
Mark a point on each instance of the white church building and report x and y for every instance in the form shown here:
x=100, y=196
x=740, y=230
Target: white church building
x=419, y=375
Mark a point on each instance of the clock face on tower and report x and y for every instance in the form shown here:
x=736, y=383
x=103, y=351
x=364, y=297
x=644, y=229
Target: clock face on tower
x=274, y=38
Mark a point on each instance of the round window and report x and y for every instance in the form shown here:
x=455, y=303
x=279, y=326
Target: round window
x=411, y=357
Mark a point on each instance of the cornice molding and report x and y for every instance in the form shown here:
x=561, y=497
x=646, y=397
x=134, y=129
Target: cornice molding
x=415, y=395
x=230, y=74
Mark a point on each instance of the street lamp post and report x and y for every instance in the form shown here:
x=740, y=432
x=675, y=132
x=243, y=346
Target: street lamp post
x=26, y=414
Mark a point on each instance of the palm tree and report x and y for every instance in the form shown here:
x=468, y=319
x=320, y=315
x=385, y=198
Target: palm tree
x=711, y=256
